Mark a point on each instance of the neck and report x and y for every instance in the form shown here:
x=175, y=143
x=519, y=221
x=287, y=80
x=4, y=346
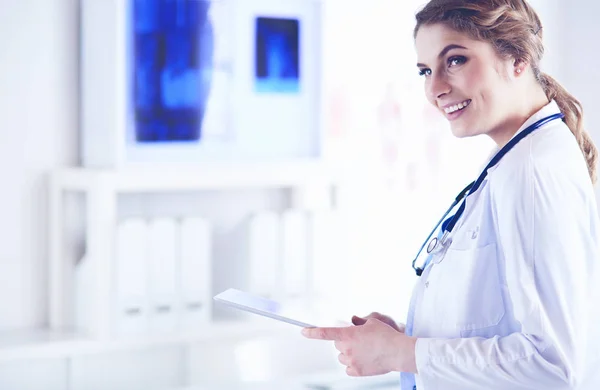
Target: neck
x=531, y=100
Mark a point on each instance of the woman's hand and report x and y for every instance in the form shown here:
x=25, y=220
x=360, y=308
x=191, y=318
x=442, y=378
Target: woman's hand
x=383, y=318
x=374, y=348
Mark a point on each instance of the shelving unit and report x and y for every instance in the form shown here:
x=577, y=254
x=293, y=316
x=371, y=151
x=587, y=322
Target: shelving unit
x=311, y=185
x=70, y=361
x=47, y=344
x=66, y=351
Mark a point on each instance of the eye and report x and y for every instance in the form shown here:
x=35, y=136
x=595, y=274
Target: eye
x=456, y=60
x=425, y=72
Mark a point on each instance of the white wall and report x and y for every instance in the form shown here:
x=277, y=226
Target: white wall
x=582, y=58
x=38, y=131
x=39, y=115
x=574, y=31
x=571, y=34
x=553, y=22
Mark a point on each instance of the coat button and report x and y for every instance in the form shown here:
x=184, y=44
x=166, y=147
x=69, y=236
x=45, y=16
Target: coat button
x=427, y=284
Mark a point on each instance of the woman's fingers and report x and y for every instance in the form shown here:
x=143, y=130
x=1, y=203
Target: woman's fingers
x=356, y=320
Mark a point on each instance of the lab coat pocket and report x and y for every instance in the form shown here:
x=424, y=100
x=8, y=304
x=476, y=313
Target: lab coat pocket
x=469, y=291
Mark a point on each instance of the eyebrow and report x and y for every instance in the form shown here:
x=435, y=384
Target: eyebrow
x=443, y=52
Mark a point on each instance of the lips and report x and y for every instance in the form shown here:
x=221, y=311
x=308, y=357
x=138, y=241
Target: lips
x=457, y=107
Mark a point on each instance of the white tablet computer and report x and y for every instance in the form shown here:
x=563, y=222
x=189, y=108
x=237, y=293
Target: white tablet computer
x=292, y=314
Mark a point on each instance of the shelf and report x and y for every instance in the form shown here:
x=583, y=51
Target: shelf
x=201, y=177
x=310, y=183
x=44, y=344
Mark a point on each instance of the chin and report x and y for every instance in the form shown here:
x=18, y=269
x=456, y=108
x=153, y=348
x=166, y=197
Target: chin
x=460, y=131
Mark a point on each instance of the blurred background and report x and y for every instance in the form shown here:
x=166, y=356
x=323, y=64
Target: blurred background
x=157, y=152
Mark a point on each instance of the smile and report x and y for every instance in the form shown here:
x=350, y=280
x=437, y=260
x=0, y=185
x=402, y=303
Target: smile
x=457, y=107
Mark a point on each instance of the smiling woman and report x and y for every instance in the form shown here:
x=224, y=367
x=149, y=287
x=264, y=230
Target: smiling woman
x=459, y=69
x=506, y=296
x=486, y=57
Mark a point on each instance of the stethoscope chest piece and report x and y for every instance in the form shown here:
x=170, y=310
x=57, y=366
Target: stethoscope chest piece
x=432, y=245
x=437, y=244
x=437, y=247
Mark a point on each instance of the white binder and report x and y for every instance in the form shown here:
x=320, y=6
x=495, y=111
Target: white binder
x=264, y=251
x=295, y=253
x=325, y=253
x=132, y=305
x=195, y=269
x=162, y=248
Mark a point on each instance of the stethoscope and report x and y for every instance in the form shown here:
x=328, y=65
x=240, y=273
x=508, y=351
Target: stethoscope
x=438, y=243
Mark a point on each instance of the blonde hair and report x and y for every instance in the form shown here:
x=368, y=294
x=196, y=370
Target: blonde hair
x=514, y=29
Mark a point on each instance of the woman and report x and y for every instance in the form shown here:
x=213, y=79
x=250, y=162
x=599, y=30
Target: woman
x=507, y=298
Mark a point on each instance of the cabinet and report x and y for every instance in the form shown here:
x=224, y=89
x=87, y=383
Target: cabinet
x=67, y=354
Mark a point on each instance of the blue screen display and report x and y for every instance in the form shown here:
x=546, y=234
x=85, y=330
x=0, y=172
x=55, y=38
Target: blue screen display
x=277, y=56
x=171, y=68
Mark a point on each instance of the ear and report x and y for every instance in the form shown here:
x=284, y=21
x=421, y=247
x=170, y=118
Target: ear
x=519, y=67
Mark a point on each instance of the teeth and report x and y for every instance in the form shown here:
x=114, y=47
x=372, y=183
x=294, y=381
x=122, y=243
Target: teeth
x=457, y=107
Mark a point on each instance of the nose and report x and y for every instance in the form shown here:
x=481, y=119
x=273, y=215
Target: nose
x=438, y=86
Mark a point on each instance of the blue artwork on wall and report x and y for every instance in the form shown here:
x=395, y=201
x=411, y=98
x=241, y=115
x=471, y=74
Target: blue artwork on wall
x=277, y=56
x=171, y=69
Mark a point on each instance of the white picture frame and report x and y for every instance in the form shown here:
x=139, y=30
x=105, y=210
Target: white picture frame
x=247, y=126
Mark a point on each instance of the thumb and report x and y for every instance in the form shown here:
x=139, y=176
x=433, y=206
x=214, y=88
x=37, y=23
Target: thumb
x=356, y=320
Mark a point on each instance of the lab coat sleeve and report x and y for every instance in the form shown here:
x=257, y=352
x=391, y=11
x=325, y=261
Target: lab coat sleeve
x=542, y=216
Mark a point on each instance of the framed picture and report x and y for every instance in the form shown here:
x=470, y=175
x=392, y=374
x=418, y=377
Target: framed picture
x=277, y=55
x=197, y=81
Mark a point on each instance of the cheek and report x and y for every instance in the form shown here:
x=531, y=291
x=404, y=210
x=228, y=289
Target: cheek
x=493, y=93
x=482, y=90
x=475, y=83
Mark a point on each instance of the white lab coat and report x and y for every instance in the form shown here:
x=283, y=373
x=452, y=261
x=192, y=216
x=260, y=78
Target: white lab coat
x=514, y=303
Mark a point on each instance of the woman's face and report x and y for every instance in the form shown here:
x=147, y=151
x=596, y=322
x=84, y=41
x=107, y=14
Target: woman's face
x=464, y=79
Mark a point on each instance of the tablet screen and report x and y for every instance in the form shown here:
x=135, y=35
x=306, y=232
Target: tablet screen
x=296, y=314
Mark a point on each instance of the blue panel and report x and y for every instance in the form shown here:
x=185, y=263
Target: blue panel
x=277, y=56
x=172, y=68
x=146, y=16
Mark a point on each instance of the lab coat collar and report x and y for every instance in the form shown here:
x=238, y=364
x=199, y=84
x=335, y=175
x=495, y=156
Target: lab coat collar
x=549, y=109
